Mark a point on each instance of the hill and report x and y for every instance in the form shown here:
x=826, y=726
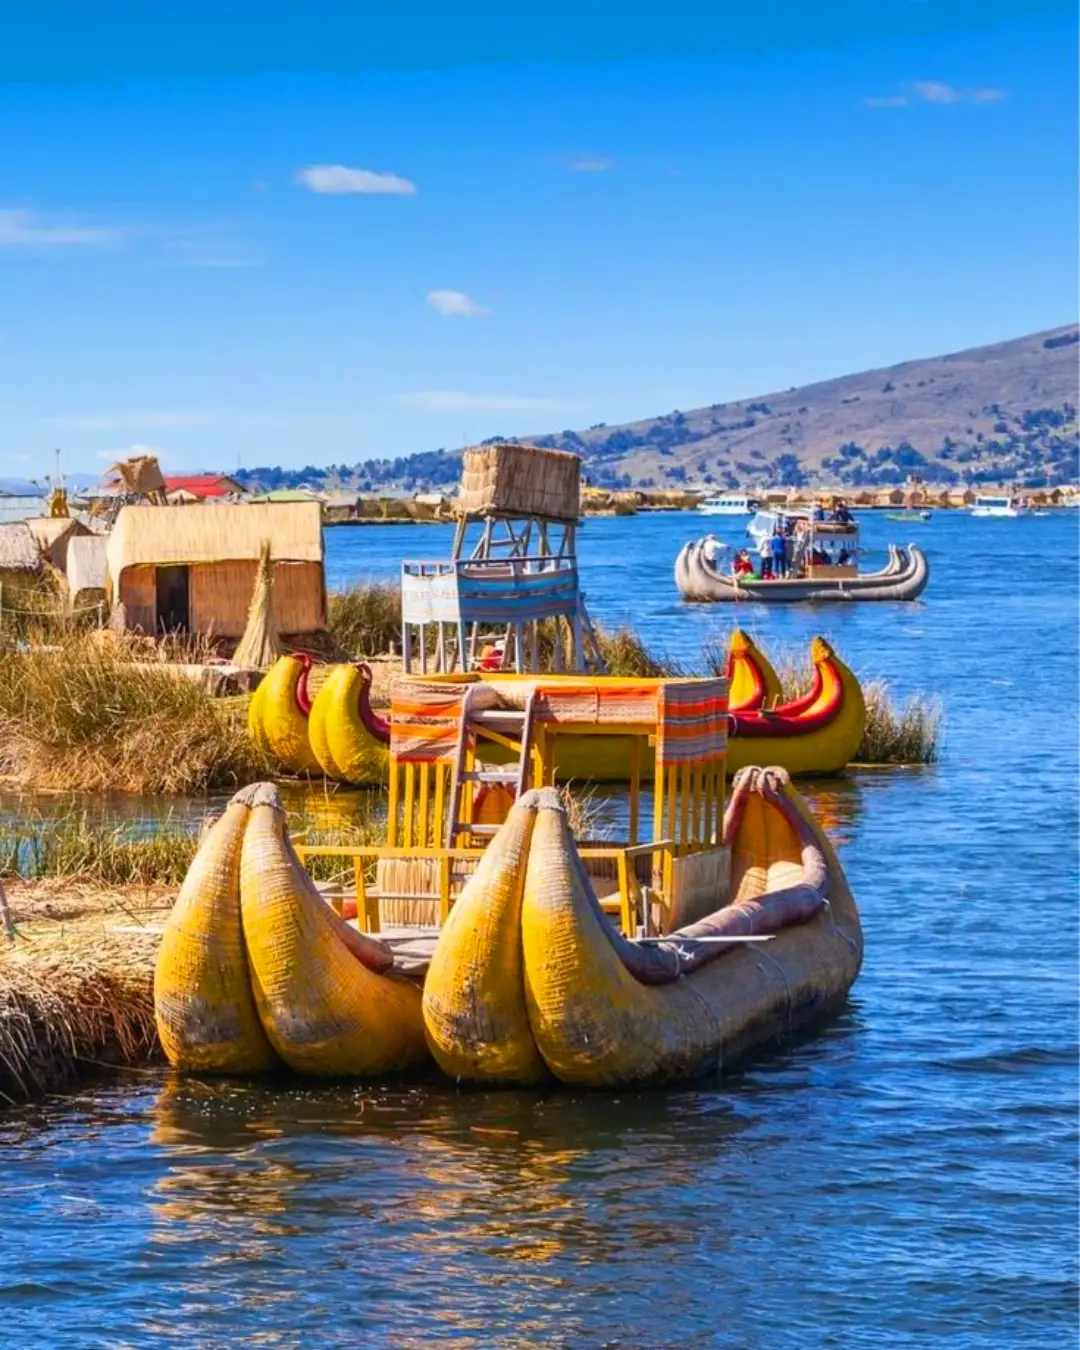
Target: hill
x=1001, y=413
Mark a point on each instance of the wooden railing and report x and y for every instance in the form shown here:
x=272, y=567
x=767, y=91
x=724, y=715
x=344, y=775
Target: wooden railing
x=633, y=905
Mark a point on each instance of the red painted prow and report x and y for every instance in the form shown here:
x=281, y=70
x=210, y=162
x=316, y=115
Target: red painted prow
x=376, y=727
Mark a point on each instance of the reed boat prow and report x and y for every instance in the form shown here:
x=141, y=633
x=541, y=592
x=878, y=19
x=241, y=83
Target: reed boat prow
x=599, y=1022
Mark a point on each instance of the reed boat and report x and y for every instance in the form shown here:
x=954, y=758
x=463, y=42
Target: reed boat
x=530, y=980
x=256, y=970
x=347, y=736
x=337, y=734
x=904, y=577
x=349, y=741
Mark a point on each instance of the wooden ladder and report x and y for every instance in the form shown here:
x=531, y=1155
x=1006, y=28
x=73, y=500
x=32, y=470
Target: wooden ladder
x=505, y=725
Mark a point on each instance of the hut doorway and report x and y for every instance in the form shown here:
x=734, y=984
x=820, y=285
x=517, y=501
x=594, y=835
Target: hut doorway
x=173, y=586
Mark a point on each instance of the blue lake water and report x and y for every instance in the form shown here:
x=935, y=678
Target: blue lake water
x=907, y=1176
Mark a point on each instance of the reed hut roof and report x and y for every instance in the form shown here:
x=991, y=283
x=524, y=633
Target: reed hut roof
x=505, y=478
x=18, y=549
x=51, y=531
x=176, y=535
x=87, y=563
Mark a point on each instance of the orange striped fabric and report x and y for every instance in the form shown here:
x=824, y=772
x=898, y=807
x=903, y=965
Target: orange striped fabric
x=424, y=721
x=692, y=722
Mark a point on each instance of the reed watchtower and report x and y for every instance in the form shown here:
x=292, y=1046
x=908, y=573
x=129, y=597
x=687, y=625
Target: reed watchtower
x=509, y=597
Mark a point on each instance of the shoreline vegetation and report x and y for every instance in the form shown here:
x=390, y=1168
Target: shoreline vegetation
x=434, y=508
x=95, y=711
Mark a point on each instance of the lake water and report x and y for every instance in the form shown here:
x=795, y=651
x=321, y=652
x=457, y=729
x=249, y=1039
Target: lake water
x=907, y=1176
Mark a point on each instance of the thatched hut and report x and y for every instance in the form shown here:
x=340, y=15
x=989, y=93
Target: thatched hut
x=53, y=536
x=20, y=559
x=86, y=568
x=192, y=569
x=21, y=567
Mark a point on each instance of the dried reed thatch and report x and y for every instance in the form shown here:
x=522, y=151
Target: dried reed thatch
x=18, y=549
x=520, y=480
x=174, y=535
x=260, y=646
x=139, y=474
x=67, y=1005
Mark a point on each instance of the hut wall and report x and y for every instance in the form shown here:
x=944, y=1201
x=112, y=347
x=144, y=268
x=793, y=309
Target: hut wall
x=220, y=594
x=138, y=595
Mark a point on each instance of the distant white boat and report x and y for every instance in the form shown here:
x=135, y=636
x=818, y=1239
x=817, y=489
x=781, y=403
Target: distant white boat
x=734, y=504
x=998, y=506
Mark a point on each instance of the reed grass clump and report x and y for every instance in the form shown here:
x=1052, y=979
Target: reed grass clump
x=75, y=846
x=627, y=655
x=366, y=620
x=91, y=713
x=899, y=733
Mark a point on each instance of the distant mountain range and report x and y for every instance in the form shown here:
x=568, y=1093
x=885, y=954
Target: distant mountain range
x=1002, y=413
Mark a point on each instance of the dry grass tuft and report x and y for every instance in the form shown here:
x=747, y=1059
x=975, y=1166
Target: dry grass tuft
x=366, y=620
x=625, y=654
x=92, y=713
x=908, y=733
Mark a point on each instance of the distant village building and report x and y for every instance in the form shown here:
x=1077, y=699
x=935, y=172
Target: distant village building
x=341, y=506
x=191, y=569
x=186, y=488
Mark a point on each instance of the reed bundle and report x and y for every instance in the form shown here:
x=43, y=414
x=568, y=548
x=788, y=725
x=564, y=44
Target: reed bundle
x=520, y=480
x=72, y=1002
x=260, y=646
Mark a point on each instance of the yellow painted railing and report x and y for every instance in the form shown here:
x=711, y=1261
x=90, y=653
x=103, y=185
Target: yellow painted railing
x=633, y=904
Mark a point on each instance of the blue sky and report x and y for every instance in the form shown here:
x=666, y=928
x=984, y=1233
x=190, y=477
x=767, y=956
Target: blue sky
x=280, y=234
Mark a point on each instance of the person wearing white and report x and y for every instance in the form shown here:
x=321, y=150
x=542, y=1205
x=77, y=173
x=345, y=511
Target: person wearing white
x=765, y=549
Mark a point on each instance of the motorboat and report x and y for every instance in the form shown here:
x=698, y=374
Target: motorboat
x=998, y=506
x=733, y=504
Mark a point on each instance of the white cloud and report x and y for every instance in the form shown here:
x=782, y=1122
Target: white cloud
x=935, y=91
x=938, y=92
x=451, y=400
x=156, y=419
x=337, y=180
x=455, y=304
x=593, y=164
x=27, y=229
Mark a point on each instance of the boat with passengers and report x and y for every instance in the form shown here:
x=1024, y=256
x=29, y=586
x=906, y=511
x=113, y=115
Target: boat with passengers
x=799, y=555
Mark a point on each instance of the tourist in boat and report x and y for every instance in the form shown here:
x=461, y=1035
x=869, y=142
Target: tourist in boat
x=842, y=515
x=765, y=549
x=742, y=566
x=779, y=555
x=711, y=549
x=844, y=558
x=818, y=512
